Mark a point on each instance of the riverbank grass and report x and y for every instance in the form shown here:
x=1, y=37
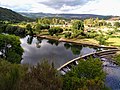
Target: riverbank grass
x=113, y=42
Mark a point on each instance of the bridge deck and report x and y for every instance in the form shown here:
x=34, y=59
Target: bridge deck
x=94, y=54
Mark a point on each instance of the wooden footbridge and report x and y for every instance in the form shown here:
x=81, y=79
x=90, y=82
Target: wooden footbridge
x=101, y=54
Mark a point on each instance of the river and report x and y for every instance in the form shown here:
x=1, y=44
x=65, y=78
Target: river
x=37, y=50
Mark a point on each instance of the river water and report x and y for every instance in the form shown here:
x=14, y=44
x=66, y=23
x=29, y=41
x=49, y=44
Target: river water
x=113, y=77
x=37, y=50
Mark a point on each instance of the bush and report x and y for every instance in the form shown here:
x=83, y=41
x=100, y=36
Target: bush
x=15, y=30
x=10, y=75
x=2, y=27
x=41, y=77
x=76, y=33
x=67, y=35
x=102, y=38
x=29, y=29
x=78, y=25
x=91, y=34
x=117, y=24
x=111, y=32
x=41, y=27
x=46, y=26
x=55, y=30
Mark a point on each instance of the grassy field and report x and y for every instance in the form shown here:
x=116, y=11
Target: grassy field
x=110, y=42
x=113, y=42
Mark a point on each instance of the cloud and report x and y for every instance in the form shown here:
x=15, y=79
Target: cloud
x=100, y=7
x=65, y=5
x=103, y=7
x=15, y=5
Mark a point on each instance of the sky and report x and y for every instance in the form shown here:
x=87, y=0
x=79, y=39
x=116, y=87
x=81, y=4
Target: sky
x=100, y=7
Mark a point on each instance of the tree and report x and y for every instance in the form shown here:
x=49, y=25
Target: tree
x=78, y=25
x=117, y=24
x=18, y=31
x=55, y=30
x=67, y=34
x=2, y=27
x=38, y=27
x=89, y=22
x=109, y=24
x=91, y=34
x=43, y=21
x=87, y=75
x=96, y=22
x=77, y=28
x=102, y=38
x=29, y=28
x=10, y=48
x=41, y=77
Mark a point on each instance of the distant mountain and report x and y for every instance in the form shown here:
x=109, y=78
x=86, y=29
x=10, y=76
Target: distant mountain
x=7, y=14
x=68, y=16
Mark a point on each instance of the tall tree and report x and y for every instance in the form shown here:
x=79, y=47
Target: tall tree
x=29, y=28
x=78, y=25
x=10, y=48
x=117, y=24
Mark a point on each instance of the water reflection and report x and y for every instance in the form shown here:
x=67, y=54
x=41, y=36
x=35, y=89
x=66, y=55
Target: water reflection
x=38, y=43
x=37, y=50
x=67, y=45
x=74, y=48
x=29, y=39
x=53, y=42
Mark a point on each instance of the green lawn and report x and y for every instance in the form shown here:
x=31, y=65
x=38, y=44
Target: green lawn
x=113, y=42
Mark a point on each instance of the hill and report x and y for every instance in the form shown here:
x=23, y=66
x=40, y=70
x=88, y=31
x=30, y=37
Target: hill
x=68, y=16
x=7, y=14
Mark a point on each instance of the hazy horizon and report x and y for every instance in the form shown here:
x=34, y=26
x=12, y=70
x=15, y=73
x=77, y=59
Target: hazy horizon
x=98, y=7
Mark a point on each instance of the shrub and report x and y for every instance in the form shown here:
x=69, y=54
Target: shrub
x=55, y=30
x=102, y=38
x=10, y=75
x=15, y=30
x=91, y=34
x=41, y=77
x=67, y=35
x=78, y=25
x=117, y=24
x=2, y=27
